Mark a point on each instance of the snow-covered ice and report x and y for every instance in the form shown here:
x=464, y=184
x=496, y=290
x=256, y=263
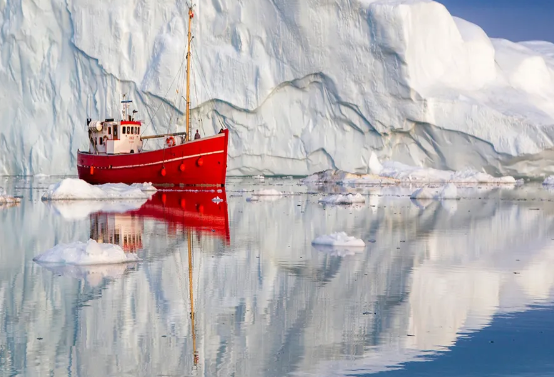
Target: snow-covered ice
x=83, y=254
x=307, y=93
x=343, y=199
x=338, y=239
x=77, y=189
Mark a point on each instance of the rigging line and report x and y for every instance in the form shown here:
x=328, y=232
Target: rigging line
x=197, y=101
x=203, y=76
x=168, y=89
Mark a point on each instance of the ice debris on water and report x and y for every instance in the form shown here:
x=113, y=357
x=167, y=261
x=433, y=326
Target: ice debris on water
x=342, y=199
x=83, y=254
x=549, y=181
x=338, y=239
x=77, y=189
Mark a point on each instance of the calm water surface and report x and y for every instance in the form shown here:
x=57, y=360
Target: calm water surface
x=458, y=288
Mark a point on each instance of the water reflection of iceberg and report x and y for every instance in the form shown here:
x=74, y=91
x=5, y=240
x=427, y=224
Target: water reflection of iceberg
x=267, y=309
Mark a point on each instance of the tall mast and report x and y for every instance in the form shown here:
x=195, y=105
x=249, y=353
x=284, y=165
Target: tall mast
x=191, y=15
x=189, y=239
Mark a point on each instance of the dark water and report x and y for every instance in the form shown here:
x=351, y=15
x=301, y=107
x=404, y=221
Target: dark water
x=456, y=288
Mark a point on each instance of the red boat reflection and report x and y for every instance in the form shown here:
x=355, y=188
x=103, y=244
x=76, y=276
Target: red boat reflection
x=204, y=212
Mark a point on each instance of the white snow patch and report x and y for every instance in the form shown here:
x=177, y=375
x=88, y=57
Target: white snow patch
x=338, y=239
x=77, y=189
x=343, y=199
x=83, y=254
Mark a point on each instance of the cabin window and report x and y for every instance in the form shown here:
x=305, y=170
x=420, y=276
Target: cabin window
x=128, y=130
x=109, y=130
x=135, y=130
x=123, y=130
x=115, y=132
x=100, y=140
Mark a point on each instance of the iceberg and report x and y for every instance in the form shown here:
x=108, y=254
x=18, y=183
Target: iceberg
x=84, y=254
x=77, y=189
x=302, y=87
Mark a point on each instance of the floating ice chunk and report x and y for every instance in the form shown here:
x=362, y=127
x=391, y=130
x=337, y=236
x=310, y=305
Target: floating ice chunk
x=339, y=251
x=338, y=239
x=77, y=189
x=549, y=181
x=217, y=199
x=84, y=254
x=342, y=199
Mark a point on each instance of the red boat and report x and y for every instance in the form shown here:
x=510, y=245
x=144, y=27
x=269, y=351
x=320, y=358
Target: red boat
x=116, y=153
x=184, y=212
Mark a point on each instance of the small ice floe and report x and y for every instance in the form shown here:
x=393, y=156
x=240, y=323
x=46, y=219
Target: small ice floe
x=549, y=181
x=217, y=199
x=338, y=239
x=259, y=177
x=342, y=199
x=77, y=189
x=85, y=254
x=338, y=244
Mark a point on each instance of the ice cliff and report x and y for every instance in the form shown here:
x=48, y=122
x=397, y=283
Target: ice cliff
x=303, y=86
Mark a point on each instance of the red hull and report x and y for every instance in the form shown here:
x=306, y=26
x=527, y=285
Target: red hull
x=198, y=162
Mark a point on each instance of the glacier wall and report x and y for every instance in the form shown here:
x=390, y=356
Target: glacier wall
x=302, y=86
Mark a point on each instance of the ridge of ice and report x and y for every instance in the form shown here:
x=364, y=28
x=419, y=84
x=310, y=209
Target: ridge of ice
x=268, y=192
x=306, y=94
x=84, y=254
x=77, y=189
